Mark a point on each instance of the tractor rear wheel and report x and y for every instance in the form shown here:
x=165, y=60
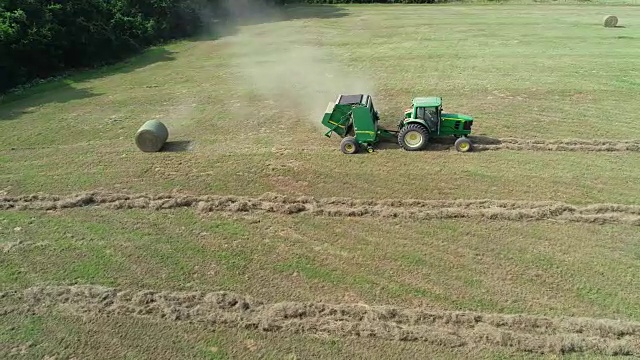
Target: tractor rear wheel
x=463, y=144
x=349, y=145
x=413, y=137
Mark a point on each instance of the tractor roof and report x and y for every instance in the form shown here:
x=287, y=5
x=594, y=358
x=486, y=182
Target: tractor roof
x=432, y=101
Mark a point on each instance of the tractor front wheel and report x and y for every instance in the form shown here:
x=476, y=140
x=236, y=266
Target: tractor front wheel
x=413, y=137
x=463, y=144
x=349, y=145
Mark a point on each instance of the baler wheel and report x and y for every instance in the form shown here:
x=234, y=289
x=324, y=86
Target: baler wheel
x=413, y=137
x=463, y=144
x=349, y=145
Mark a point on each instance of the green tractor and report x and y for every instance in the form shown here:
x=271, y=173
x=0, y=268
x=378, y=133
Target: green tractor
x=355, y=119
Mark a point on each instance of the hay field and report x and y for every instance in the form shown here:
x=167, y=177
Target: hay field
x=253, y=236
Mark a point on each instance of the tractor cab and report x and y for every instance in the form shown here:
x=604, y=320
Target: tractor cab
x=426, y=109
x=430, y=115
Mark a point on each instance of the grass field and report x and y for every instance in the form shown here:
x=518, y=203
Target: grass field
x=547, y=265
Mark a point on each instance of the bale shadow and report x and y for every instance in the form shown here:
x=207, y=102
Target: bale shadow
x=177, y=146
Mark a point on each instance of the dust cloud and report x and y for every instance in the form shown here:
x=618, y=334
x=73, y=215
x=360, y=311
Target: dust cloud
x=285, y=62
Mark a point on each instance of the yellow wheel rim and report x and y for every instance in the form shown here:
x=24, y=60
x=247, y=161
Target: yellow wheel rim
x=349, y=147
x=464, y=146
x=413, y=139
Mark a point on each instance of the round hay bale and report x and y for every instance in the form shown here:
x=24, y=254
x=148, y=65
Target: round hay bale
x=610, y=21
x=151, y=136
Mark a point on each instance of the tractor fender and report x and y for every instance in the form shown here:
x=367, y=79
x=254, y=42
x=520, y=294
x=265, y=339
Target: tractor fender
x=416, y=121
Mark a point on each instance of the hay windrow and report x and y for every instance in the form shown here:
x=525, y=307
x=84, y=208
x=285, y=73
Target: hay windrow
x=416, y=209
x=527, y=333
x=589, y=145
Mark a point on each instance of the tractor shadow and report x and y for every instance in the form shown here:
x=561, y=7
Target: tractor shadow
x=434, y=145
x=444, y=144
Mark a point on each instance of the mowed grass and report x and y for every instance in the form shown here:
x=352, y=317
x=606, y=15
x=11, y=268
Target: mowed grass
x=249, y=101
x=543, y=269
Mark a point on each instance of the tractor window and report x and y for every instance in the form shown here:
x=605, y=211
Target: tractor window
x=430, y=115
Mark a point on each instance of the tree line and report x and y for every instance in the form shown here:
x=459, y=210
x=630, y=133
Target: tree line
x=361, y=1
x=41, y=38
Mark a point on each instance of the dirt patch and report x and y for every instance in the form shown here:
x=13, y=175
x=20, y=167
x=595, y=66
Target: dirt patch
x=339, y=207
x=535, y=334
